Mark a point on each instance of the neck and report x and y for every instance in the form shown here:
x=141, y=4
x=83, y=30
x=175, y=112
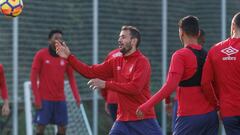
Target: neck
x=188, y=41
x=130, y=52
x=236, y=35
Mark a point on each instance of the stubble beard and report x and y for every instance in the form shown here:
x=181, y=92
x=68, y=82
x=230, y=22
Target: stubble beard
x=126, y=49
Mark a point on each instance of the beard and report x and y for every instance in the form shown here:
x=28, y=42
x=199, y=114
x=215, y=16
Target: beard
x=126, y=49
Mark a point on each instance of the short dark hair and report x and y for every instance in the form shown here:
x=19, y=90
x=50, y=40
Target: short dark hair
x=189, y=25
x=135, y=33
x=52, y=32
x=237, y=19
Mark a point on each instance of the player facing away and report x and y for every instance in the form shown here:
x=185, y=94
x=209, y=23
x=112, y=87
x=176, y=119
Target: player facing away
x=131, y=73
x=110, y=96
x=172, y=107
x=196, y=116
x=221, y=78
x=4, y=93
x=49, y=70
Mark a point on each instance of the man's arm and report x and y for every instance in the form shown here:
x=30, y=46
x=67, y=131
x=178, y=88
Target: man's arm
x=73, y=84
x=174, y=77
x=102, y=71
x=207, y=82
x=36, y=65
x=170, y=85
x=4, y=93
x=3, y=84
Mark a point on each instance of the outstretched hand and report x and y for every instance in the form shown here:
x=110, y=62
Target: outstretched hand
x=5, y=109
x=96, y=84
x=61, y=49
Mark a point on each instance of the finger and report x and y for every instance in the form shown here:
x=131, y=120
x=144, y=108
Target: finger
x=57, y=43
x=139, y=114
x=64, y=44
x=4, y=112
x=91, y=87
x=95, y=87
x=90, y=82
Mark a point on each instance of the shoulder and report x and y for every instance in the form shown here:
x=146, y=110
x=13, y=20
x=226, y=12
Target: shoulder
x=114, y=53
x=183, y=52
x=142, y=59
x=218, y=46
x=42, y=51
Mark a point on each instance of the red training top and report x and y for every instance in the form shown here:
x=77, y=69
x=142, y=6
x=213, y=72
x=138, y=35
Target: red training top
x=191, y=100
x=110, y=96
x=3, y=85
x=50, y=72
x=132, y=79
x=221, y=76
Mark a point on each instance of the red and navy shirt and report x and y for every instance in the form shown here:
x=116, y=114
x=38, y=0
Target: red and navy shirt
x=50, y=71
x=109, y=95
x=221, y=76
x=131, y=81
x=3, y=85
x=191, y=100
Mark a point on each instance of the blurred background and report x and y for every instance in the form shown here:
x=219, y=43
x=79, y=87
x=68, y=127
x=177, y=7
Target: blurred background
x=22, y=37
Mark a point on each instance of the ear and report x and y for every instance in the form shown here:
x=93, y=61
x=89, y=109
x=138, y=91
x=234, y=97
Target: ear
x=181, y=33
x=199, y=33
x=134, y=41
x=233, y=26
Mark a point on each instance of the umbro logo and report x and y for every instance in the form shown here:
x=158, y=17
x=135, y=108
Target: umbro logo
x=229, y=51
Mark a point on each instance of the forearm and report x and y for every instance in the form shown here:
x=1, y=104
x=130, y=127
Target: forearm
x=34, y=84
x=80, y=67
x=76, y=94
x=170, y=85
x=89, y=72
x=3, y=86
x=6, y=101
x=73, y=84
x=4, y=93
x=131, y=88
x=209, y=93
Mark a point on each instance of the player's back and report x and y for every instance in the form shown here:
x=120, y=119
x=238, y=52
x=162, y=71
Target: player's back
x=225, y=60
x=190, y=97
